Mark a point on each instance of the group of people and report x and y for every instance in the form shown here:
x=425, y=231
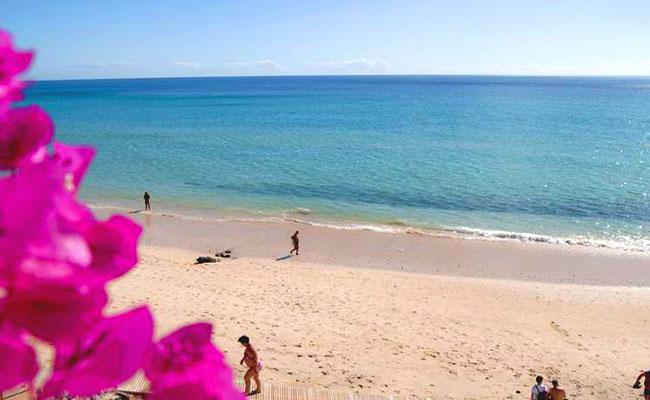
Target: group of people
x=540, y=391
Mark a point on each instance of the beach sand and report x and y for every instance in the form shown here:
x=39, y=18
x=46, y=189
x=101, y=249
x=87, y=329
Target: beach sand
x=402, y=314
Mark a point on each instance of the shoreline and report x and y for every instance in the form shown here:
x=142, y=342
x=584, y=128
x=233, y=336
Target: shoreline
x=491, y=259
x=305, y=216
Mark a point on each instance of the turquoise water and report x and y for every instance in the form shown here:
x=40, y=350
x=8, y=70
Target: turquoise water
x=529, y=158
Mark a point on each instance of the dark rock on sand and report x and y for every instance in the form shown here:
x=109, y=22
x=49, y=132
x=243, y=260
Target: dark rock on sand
x=203, y=260
x=224, y=254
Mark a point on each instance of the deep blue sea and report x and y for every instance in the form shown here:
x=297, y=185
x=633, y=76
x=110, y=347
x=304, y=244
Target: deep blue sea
x=548, y=159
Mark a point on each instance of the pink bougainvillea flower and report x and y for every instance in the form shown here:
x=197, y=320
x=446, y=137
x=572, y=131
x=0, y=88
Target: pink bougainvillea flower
x=113, y=245
x=74, y=160
x=27, y=199
x=17, y=359
x=51, y=312
x=40, y=220
x=23, y=134
x=186, y=361
x=55, y=259
x=107, y=356
x=12, y=63
x=11, y=92
x=27, y=202
x=36, y=199
x=58, y=260
x=47, y=233
x=104, y=251
x=70, y=214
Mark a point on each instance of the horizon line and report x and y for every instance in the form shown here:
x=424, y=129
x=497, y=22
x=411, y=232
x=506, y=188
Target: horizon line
x=344, y=76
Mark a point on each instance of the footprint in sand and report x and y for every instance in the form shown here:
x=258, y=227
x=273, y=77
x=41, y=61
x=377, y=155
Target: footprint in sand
x=559, y=329
x=556, y=327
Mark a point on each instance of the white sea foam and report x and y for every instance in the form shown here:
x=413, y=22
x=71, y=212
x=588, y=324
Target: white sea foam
x=621, y=243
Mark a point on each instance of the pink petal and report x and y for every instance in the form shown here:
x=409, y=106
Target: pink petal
x=36, y=208
x=104, y=358
x=17, y=359
x=71, y=215
x=11, y=92
x=113, y=245
x=203, y=383
x=53, y=313
x=23, y=132
x=25, y=210
x=39, y=221
x=28, y=199
x=180, y=349
x=61, y=259
x=187, y=362
x=74, y=160
x=12, y=63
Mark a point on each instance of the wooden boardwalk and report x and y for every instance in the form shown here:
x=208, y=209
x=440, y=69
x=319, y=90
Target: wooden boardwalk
x=138, y=387
x=285, y=392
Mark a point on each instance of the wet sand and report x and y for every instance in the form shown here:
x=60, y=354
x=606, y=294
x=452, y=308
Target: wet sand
x=495, y=259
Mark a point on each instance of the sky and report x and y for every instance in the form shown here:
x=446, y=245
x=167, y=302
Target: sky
x=147, y=38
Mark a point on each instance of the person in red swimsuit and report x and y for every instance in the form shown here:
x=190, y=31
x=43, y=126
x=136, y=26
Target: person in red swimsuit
x=254, y=365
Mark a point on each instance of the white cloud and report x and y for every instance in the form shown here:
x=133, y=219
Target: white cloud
x=186, y=64
x=354, y=65
x=641, y=68
x=91, y=65
x=259, y=66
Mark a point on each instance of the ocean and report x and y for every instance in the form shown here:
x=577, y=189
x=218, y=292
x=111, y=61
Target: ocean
x=563, y=160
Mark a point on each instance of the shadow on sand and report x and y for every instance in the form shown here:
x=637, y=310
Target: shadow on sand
x=288, y=256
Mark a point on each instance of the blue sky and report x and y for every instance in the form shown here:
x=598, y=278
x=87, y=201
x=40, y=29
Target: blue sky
x=143, y=38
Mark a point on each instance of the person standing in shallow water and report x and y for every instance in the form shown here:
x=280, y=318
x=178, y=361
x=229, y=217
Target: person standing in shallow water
x=147, y=204
x=254, y=366
x=296, y=243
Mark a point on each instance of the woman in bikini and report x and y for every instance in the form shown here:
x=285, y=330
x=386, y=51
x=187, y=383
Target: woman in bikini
x=254, y=365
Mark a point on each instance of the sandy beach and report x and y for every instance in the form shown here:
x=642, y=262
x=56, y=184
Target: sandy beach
x=402, y=314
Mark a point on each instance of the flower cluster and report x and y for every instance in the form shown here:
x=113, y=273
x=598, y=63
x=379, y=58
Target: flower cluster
x=56, y=259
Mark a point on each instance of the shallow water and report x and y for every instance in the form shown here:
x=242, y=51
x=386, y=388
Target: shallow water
x=548, y=159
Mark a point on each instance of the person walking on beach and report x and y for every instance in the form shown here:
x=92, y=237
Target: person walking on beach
x=254, y=366
x=646, y=384
x=539, y=391
x=147, y=205
x=296, y=243
x=556, y=392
